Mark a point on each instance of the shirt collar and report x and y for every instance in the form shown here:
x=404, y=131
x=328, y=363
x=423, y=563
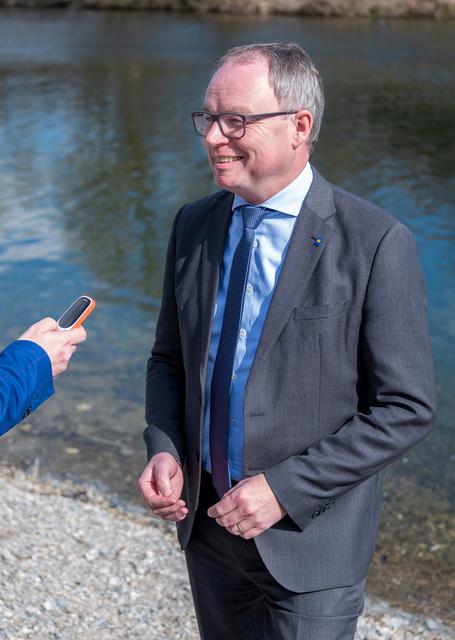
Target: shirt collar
x=288, y=200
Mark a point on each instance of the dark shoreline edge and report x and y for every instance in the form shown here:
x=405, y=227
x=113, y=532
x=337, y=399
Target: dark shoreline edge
x=374, y=9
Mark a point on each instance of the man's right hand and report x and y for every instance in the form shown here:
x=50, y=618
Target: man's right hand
x=161, y=485
x=59, y=345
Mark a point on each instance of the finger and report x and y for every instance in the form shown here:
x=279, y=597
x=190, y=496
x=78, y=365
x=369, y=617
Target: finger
x=246, y=534
x=236, y=487
x=163, y=480
x=239, y=527
x=230, y=519
x=164, y=514
x=224, y=506
x=47, y=324
x=69, y=352
x=59, y=367
x=169, y=510
x=233, y=530
x=174, y=514
x=147, y=489
x=159, y=502
x=66, y=356
x=145, y=484
x=75, y=336
x=252, y=533
x=180, y=515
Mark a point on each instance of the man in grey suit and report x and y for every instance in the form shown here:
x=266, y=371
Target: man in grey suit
x=292, y=362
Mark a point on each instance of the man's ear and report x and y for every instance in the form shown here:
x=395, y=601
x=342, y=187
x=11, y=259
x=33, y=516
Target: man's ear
x=303, y=125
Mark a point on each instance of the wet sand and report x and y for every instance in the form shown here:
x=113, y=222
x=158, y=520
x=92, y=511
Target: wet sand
x=413, y=566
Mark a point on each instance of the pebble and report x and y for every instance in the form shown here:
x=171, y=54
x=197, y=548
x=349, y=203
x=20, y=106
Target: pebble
x=86, y=569
x=431, y=624
x=83, y=406
x=72, y=451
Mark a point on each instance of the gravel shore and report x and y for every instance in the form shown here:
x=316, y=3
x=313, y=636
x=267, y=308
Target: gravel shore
x=76, y=565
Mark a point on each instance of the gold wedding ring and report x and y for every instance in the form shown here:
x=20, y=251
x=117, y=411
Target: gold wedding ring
x=239, y=529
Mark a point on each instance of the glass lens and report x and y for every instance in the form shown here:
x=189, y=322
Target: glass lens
x=202, y=122
x=232, y=125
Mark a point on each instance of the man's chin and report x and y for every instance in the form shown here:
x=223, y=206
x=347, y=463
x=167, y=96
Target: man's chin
x=227, y=178
x=223, y=182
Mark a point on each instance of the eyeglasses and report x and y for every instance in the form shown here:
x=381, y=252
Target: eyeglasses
x=232, y=125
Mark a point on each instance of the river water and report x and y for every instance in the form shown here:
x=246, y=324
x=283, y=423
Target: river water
x=97, y=153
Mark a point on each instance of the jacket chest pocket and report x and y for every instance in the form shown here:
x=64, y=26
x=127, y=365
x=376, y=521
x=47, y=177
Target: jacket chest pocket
x=318, y=312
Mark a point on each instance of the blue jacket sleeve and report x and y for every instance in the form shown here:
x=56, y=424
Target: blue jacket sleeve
x=25, y=381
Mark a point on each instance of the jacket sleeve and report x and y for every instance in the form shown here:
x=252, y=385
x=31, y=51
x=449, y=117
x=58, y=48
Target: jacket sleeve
x=165, y=386
x=395, y=346
x=25, y=381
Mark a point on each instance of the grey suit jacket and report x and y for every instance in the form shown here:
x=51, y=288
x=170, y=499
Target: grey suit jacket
x=341, y=384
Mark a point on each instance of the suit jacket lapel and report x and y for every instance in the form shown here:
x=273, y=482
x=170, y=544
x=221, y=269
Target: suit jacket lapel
x=302, y=257
x=218, y=221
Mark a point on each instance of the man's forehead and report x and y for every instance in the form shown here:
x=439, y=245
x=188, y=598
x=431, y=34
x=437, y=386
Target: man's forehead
x=232, y=69
x=235, y=81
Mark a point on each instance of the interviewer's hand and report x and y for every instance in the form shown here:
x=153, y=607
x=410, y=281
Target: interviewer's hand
x=59, y=345
x=161, y=485
x=249, y=508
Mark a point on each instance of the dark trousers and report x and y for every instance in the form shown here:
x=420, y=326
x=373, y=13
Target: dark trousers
x=236, y=598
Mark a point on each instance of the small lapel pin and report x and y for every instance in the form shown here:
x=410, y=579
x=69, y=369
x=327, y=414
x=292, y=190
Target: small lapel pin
x=317, y=240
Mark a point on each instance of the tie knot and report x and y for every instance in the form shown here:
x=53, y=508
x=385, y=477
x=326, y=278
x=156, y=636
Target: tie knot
x=251, y=215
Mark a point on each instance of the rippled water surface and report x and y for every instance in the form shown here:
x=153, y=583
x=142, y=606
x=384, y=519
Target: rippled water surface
x=97, y=153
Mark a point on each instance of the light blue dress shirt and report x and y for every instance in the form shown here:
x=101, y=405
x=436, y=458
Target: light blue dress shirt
x=269, y=251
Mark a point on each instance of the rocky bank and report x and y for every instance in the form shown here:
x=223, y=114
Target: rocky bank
x=76, y=564
x=339, y=8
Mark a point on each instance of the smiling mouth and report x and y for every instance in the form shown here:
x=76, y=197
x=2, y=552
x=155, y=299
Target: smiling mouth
x=227, y=159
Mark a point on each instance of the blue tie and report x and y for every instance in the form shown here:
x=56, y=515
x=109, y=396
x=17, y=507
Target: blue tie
x=224, y=362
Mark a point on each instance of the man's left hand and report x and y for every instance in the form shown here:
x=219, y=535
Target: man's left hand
x=249, y=508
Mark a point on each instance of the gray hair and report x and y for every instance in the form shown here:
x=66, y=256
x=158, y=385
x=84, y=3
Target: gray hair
x=294, y=77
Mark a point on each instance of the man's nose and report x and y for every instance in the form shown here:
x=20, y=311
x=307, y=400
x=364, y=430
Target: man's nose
x=215, y=136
